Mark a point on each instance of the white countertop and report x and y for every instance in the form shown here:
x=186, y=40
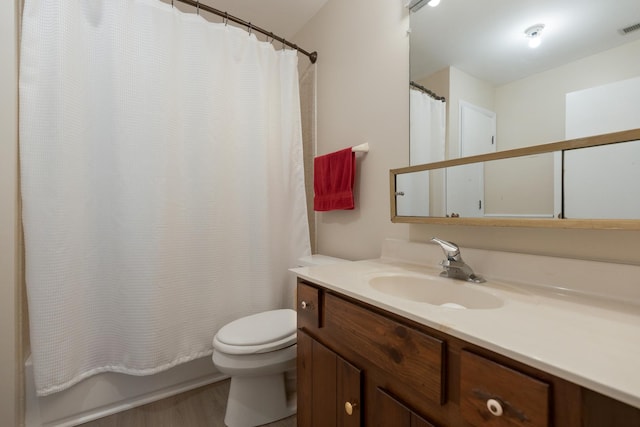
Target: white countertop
x=592, y=342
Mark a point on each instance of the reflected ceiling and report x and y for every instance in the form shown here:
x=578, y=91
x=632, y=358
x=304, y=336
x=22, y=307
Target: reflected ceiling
x=483, y=37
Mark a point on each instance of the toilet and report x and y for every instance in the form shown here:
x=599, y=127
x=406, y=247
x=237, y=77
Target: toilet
x=258, y=352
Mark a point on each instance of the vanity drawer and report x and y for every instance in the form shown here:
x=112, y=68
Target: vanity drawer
x=308, y=303
x=411, y=358
x=494, y=395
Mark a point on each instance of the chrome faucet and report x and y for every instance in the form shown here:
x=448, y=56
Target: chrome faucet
x=454, y=267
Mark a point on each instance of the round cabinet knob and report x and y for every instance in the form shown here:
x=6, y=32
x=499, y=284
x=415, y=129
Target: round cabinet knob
x=305, y=305
x=349, y=407
x=495, y=407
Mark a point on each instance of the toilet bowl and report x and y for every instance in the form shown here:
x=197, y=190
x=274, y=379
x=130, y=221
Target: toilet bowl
x=258, y=352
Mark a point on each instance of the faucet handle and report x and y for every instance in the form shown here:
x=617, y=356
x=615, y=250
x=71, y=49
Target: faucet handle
x=451, y=250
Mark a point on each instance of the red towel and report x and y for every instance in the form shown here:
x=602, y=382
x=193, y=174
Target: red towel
x=333, y=176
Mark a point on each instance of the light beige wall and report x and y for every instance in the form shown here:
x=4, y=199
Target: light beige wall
x=532, y=110
x=600, y=245
x=544, y=96
x=438, y=82
x=527, y=191
x=9, y=231
x=363, y=95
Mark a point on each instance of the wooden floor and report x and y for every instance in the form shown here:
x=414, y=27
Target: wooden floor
x=202, y=407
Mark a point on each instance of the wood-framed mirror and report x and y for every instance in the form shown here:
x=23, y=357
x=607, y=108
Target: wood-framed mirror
x=594, y=186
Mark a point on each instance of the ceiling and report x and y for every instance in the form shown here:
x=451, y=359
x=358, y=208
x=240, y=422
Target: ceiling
x=282, y=17
x=486, y=38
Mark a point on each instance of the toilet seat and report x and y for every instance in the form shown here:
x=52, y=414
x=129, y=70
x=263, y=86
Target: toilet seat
x=258, y=333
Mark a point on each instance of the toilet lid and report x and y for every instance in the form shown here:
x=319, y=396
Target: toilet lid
x=259, y=329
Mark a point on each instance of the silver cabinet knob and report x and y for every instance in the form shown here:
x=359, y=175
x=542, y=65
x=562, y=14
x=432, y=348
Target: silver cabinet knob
x=305, y=305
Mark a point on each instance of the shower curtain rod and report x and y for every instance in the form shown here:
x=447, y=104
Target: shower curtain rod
x=313, y=56
x=427, y=91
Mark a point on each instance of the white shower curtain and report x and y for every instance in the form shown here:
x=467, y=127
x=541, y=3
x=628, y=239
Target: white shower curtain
x=308, y=96
x=162, y=184
x=427, y=131
x=427, y=128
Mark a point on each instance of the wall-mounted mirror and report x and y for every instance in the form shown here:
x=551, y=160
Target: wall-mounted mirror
x=502, y=95
x=593, y=185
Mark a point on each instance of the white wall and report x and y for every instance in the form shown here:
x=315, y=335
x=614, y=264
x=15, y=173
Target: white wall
x=363, y=95
x=9, y=230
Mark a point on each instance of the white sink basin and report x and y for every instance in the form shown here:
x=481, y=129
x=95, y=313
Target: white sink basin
x=435, y=291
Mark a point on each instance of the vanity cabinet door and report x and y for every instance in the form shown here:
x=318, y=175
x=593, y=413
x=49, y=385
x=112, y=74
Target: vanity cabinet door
x=493, y=395
x=349, y=394
x=329, y=387
x=304, y=379
x=390, y=412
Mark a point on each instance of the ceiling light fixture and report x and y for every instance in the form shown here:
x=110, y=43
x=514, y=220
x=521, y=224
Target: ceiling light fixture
x=533, y=33
x=416, y=5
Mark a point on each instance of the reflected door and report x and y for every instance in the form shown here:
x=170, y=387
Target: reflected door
x=412, y=194
x=465, y=184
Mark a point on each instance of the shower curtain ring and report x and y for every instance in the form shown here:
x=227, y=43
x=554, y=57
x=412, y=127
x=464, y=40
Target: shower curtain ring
x=226, y=18
x=198, y=7
x=250, y=28
x=171, y=3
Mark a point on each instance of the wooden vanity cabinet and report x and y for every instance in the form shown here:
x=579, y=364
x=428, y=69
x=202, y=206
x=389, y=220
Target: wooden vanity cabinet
x=352, y=360
x=388, y=371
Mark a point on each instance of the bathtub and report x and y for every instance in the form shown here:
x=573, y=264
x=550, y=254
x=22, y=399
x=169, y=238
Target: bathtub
x=107, y=393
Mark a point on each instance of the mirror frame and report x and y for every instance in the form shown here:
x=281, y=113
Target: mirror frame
x=572, y=144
